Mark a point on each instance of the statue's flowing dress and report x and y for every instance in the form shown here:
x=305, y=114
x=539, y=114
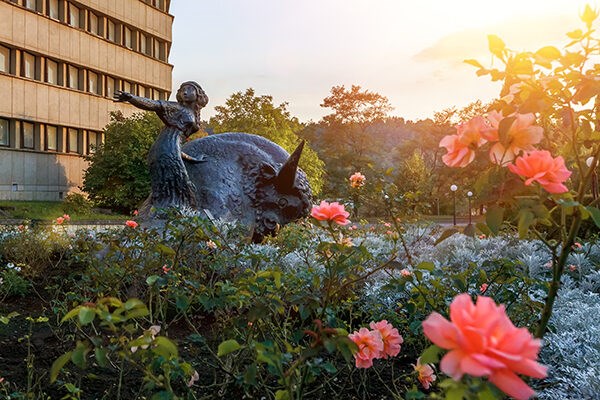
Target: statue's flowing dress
x=171, y=186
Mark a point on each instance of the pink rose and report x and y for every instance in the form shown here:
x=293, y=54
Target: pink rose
x=357, y=180
x=539, y=166
x=333, y=212
x=370, y=345
x=390, y=336
x=131, y=224
x=484, y=342
x=426, y=375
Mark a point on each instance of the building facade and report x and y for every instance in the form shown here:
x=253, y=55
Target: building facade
x=60, y=63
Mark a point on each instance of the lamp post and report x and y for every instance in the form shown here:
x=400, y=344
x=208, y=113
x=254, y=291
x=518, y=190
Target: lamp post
x=454, y=188
x=469, y=195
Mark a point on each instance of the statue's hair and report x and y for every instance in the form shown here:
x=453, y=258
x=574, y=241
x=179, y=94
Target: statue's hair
x=201, y=97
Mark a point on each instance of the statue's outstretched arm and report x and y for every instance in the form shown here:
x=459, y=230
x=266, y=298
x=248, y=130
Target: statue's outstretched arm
x=139, y=102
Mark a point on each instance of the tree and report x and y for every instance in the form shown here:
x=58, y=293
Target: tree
x=118, y=176
x=247, y=112
x=355, y=106
x=354, y=111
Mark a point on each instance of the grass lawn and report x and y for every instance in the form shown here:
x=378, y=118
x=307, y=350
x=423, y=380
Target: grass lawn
x=49, y=210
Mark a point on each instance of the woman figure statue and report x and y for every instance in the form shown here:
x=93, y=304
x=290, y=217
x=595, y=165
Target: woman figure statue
x=171, y=186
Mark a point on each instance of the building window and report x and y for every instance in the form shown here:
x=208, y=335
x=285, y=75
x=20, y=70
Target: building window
x=51, y=72
x=4, y=59
x=52, y=9
x=127, y=42
x=93, y=82
x=28, y=65
x=157, y=48
x=92, y=142
x=110, y=87
x=160, y=4
x=29, y=4
x=110, y=30
x=27, y=129
x=126, y=87
x=4, y=132
x=73, y=144
x=93, y=23
x=73, y=77
x=143, y=43
x=74, y=16
x=51, y=138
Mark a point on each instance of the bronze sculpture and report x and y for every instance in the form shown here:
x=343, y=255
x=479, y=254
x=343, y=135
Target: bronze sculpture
x=170, y=184
x=234, y=176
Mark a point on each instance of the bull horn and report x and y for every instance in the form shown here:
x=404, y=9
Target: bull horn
x=287, y=174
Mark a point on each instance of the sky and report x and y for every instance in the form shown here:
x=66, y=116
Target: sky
x=412, y=52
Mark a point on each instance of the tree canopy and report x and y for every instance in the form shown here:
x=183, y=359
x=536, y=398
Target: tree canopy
x=118, y=175
x=247, y=112
x=355, y=106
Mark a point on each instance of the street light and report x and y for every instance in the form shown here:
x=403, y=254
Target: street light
x=469, y=194
x=454, y=188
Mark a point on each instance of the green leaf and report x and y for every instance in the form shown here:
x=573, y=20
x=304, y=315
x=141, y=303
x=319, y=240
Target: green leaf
x=163, y=395
x=496, y=46
x=182, y=302
x=486, y=394
x=71, y=314
x=503, y=128
x=277, y=278
x=431, y=355
x=549, y=53
x=576, y=34
x=133, y=303
x=161, y=248
x=456, y=393
x=86, y=315
x=58, y=365
x=474, y=63
x=282, y=395
x=469, y=230
x=445, y=235
x=78, y=355
x=494, y=218
x=526, y=219
x=101, y=358
x=135, y=313
x=427, y=266
x=589, y=16
x=227, y=347
x=250, y=374
x=165, y=347
x=595, y=213
x=6, y=319
x=111, y=302
x=585, y=91
x=483, y=228
x=151, y=279
x=329, y=367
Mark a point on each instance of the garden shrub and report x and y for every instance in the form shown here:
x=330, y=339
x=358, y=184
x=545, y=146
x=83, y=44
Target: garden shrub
x=76, y=203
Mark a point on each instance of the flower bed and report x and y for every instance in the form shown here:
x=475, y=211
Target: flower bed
x=296, y=316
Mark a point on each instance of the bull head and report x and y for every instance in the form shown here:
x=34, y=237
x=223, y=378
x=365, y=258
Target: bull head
x=286, y=176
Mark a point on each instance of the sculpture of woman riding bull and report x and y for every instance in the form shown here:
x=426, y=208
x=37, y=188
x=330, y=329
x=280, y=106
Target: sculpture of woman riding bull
x=234, y=176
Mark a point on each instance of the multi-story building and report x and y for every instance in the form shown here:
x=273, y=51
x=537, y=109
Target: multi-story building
x=60, y=63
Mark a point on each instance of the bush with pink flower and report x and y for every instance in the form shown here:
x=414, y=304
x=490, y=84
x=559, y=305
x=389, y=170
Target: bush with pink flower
x=381, y=341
